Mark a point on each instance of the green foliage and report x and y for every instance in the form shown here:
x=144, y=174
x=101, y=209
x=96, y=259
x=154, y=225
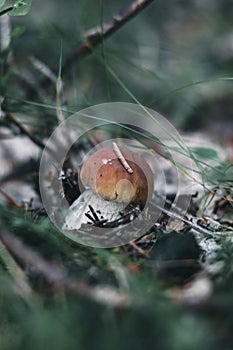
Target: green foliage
x=2, y=3
x=44, y=317
x=19, y=8
x=170, y=58
x=206, y=153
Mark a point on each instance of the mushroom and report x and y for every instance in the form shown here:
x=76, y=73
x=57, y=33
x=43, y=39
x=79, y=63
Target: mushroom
x=114, y=178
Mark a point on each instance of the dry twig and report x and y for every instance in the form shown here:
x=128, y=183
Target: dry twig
x=96, y=35
x=24, y=131
x=9, y=199
x=122, y=158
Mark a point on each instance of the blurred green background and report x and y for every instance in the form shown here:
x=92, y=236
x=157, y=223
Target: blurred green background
x=175, y=57
x=167, y=46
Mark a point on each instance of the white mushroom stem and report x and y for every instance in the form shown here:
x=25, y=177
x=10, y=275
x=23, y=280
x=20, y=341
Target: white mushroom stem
x=105, y=210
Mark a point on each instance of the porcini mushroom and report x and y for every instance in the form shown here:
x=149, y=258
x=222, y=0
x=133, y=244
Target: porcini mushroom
x=114, y=177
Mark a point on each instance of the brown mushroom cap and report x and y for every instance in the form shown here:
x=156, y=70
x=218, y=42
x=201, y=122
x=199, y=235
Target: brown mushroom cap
x=106, y=176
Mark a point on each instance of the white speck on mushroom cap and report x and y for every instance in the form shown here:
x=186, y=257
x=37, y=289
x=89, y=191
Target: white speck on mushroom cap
x=107, y=161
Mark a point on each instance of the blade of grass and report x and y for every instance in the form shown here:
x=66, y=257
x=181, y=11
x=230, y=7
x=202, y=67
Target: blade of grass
x=192, y=84
x=59, y=91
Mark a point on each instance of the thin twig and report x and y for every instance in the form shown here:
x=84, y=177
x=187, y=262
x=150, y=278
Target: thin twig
x=122, y=158
x=6, y=10
x=24, y=131
x=95, y=216
x=57, y=276
x=9, y=199
x=43, y=69
x=177, y=216
x=138, y=249
x=96, y=35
